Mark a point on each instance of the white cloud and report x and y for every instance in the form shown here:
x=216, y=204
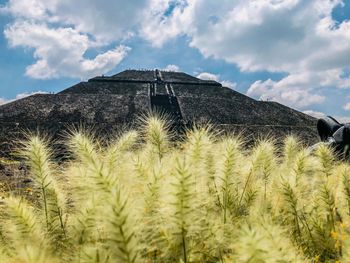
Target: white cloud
x=210, y=76
x=346, y=106
x=163, y=20
x=21, y=96
x=315, y=114
x=173, y=68
x=60, y=52
x=285, y=91
x=27, y=94
x=105, y=20
x=299, y=89
x=61, y=32
x=343, y=119
x=303, y=86
x=318, y=115
x=297, y=37
x=4, y=101
x=31, y=9
x=228, y=84
x=288, y=36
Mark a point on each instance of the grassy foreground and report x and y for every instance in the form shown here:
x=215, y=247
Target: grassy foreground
x=205, y=199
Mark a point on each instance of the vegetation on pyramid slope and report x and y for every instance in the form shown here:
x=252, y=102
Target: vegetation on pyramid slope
x=146, y=198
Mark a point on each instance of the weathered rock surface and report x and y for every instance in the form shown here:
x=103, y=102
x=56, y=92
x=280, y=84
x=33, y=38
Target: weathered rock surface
x=108, y=103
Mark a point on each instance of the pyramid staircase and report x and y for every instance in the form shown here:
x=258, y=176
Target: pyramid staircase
x=164, y=100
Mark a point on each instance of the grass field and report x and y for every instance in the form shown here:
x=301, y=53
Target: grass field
x=146, y=198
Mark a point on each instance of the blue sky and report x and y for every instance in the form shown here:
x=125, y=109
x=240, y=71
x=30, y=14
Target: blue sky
x=296, y=52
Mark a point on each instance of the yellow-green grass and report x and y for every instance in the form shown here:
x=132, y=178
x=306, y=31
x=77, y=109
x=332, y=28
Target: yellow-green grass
x=146, y=198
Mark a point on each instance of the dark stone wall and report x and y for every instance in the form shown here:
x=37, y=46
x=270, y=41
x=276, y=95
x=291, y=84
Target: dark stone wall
x=88, y=108
x=110, y=104
x=53, y=115
x=105, y=88
x=247, y=112
x=212, y=91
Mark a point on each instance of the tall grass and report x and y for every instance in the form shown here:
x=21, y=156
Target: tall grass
x=145, y=198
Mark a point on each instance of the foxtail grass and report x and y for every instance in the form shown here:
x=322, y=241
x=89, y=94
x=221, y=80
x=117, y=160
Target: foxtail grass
x=144, y=197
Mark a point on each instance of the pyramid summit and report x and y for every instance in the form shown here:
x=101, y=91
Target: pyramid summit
x=111, y=102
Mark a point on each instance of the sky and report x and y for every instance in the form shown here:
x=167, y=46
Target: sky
x=296, y=52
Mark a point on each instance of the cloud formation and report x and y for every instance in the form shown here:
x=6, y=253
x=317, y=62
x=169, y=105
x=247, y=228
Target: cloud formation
x=172, y=67
x=315, y=114
x=318, y=115
x=210, y=76
x=298, y=90
x=62, y=32
x=60, y=52
x=347, y=106
x=298, y=38
x=105, y=20
x=21, y=96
